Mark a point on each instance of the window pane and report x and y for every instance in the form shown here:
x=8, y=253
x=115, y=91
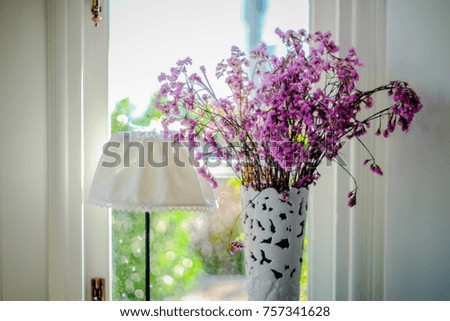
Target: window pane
x=189, y=255
x=148, y=37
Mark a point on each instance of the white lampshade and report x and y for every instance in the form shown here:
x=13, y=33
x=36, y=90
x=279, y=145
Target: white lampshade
x=134, y=175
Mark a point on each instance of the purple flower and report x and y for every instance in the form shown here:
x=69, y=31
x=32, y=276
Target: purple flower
x=351, y=201
x=352, y=198
x=235, y=246
x=376, y=169
x=278, y=129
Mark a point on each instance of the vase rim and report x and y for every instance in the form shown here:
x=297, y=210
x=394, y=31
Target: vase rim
x=251, y=189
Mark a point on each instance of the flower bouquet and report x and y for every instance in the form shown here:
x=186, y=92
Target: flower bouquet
x=283, y=115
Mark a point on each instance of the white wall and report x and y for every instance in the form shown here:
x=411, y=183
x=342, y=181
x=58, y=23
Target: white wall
x=23, y=150
x=394, y=245
x=418, y=164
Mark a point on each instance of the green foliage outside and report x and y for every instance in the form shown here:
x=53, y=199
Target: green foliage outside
x=224, y=226
x=122, y=118
x=304, y=277
x=174, y=264
x=128, y=240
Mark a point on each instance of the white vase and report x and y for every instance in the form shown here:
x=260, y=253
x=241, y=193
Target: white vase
x=274, y=230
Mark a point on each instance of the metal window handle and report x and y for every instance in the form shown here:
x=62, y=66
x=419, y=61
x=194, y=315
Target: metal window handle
x=96, y=11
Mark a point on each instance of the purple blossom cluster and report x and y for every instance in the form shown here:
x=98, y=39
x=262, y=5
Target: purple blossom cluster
x=284, y=115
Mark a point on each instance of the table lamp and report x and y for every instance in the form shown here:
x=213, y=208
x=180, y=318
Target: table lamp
x=144, y=172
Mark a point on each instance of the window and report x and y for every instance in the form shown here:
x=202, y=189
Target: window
x=189, y=256
x=78, y=121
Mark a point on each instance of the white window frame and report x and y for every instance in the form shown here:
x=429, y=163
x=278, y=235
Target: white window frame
x=77, y=128
x=346, y=249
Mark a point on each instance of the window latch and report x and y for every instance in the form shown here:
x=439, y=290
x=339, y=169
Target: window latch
x=98, y=289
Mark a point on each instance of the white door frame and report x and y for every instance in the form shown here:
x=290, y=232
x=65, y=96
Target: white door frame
x=77, y=128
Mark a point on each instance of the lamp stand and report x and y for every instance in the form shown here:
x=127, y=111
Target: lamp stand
x=147, y=256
